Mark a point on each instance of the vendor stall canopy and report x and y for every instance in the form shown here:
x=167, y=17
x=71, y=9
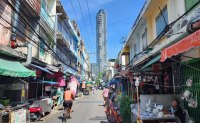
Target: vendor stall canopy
x=14, y=69
x=157, y=58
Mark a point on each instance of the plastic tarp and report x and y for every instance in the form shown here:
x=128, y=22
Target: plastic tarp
x=113, y=81
x=73, y=84
x=183, y=45
x=14, y=69
x=73, y=79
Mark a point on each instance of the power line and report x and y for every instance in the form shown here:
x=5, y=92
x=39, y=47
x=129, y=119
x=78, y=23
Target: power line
x=90, y=17
x=79, y=23
x=84, y=21
x=37, y=36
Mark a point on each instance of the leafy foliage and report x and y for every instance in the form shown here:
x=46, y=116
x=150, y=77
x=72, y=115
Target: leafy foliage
x=125, y=110
x=100, y=75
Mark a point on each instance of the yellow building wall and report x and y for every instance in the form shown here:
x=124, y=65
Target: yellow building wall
x=151, y=13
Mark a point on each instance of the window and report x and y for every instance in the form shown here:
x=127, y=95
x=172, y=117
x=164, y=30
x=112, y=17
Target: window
x=190, y=3
x=100, y=34
x=135, y=49
x=42, y=48
x=144, y=39
x=161, y=21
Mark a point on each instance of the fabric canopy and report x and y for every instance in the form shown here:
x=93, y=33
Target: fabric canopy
x=41, y=68
x=14, y=69
x=185, y=44
x=45, y=82
x=73, y=79
x=61, y=81
x=151, y=62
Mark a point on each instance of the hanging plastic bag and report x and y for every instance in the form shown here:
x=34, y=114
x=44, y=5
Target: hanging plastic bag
x=189, y=82
x=187, y=95
x=193, y=102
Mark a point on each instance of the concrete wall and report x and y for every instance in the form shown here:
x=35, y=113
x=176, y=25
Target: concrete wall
x=5, y=33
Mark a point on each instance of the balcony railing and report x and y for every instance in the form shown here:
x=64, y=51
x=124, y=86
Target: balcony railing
x=63, y=32
x=35, y=5
x=45, y=14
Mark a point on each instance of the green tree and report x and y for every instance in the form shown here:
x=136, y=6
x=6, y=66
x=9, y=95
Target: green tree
x=100, y=75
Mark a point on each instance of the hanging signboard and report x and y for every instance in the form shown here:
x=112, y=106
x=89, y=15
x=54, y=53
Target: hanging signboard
x=18, y=116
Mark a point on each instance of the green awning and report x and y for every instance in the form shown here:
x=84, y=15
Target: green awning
x=151, y=61
x=14, y=69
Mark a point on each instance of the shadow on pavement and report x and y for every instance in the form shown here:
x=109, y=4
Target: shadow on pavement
x=99, y=118
x=60, y=117
x=104, y=122
x=101, y=105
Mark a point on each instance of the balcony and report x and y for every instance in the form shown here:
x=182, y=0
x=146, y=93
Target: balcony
x=62, y=34
x=34, y=6
x=45, y=15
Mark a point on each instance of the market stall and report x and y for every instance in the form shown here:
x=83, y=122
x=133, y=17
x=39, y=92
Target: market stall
x=13, y=92
x=155, y=87
x=56, y=91
x=154, y=108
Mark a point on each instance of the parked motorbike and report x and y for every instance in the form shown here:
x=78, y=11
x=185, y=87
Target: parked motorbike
x=36, y=112
x=113, y=113
x=86, y=92
x=112, y=110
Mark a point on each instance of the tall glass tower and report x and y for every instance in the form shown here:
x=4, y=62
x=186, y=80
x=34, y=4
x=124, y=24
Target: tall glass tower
x=101, y=27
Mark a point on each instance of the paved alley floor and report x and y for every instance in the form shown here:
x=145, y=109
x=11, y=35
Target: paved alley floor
x=87, y=109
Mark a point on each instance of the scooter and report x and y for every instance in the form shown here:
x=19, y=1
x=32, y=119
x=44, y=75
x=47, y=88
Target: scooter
x=112, y=113
x=36, y=112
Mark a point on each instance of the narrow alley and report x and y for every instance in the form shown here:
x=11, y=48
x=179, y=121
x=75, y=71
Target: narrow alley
x=88, y=109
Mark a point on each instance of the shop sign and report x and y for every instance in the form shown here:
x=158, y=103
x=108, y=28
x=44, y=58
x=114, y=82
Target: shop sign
x=18, y=116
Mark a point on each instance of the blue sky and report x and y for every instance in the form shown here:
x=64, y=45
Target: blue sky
x=121, y=15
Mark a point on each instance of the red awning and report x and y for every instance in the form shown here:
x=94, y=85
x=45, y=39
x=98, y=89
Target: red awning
x=185, y=44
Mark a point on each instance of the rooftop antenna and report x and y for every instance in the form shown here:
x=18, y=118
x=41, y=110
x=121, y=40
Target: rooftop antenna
x=123, y=40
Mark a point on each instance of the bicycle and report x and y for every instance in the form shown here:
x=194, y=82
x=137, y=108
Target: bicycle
x=67, y=113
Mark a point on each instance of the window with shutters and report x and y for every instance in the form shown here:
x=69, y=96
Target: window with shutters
x=161, y=21
x=144, y=39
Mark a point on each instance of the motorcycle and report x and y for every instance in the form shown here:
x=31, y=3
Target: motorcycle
x=112, y=112
x=36, y=112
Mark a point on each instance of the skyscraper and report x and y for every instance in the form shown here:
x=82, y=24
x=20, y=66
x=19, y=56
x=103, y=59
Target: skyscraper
x=101, y=40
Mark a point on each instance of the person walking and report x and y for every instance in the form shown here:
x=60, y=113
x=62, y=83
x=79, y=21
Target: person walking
x=105, y=95
x=93, y=91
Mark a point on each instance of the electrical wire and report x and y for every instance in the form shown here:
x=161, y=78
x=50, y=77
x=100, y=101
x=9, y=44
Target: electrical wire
x=84, y=22
x=44, y=43
x=90, y=17
x=79, y=24
x=62, y=51
x=164, y=30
